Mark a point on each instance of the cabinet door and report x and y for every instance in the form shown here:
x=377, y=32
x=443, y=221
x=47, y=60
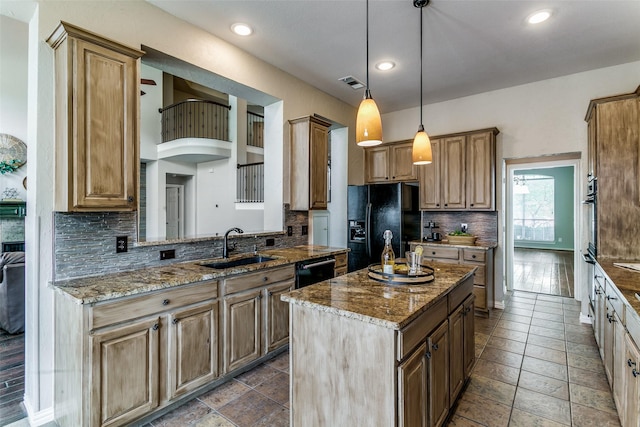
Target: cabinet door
x=376, y=163
x=277, y=319
x=430, y=180
x=599, y=321
x=632, y=399
x=592, y=145
x=242, y=327
x=120, y=395
x=456, y=349
x=480, y=171
x=193, y=348
x=318, y=164
x=412, y=389
x=469, y=335
x=608, y=343
x=401, y=165
x=453, y=173
x=619, y=366
x=105, y=116
x=438, y=347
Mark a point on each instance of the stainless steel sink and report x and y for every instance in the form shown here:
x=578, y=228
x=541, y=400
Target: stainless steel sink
x=221, y=265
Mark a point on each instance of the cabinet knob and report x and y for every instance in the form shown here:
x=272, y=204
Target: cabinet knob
x=155, y=327
x=260, y=297
x=428, y=355
x=165, y=302
x=438, y=204
x=635, y=373
x=435, y=347
x=446, y=204
x=433, y=253
x=270, y=293
x=175, y=321
x=386, y=177
x=473, y=256
x=130, y=199
x=265, y=279
x=471, y=204
x=631, y=363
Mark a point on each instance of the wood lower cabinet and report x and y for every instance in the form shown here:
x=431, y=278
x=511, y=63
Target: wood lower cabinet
x=97, y=131
x=255, y=321
x=438, y=356
x=390, y=163
x=629, y=409
x=461, y=176
x=461, y=346
x=340, y=266
x=309, y=163
x=413, y=389
x=193, y=347
x=119, y=395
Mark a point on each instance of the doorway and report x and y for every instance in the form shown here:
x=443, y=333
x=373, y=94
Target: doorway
x=542, y=225
x=175, y=212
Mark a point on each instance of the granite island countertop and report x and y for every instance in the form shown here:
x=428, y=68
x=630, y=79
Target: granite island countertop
x=480, y=244
x=90, y=290
x=357, y=296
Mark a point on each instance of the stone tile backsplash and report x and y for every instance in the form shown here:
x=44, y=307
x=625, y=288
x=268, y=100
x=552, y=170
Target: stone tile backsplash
x=84, y=244
x=484, y=225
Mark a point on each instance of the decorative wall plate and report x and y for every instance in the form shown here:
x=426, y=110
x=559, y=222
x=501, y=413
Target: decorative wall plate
x=12, y=148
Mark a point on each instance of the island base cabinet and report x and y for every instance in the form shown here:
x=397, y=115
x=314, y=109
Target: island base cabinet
x=120, y=395
x=438, y=356
x=193, y=340
x=412, y=384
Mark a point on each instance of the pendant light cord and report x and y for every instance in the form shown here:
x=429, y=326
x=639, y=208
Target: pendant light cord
x=421, y=13
x=367, y=92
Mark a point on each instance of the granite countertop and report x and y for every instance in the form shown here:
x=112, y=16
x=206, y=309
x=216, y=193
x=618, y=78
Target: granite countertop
x=357, y=296
x=89, y=290
x=480, y=244
x=627, y=281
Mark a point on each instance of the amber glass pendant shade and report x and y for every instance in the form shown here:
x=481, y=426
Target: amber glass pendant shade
x=368, y=124
x=421, y=152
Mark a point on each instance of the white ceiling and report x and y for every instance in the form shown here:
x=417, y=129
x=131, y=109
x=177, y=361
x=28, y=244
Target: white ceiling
x=471, y=46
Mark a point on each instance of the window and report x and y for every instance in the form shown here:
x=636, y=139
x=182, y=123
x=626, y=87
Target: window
x=533, y=208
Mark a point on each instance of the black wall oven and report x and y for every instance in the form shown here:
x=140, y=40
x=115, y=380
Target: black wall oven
x=592, y=248
x=315, y=270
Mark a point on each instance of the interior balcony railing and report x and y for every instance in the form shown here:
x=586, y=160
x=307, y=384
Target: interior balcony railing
x=195, y=118
x=250, y=183
x=255, y=130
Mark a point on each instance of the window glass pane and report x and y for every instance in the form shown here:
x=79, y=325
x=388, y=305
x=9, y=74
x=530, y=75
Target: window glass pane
x=533, y=208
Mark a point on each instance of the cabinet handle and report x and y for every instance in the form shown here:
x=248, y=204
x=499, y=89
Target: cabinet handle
x=435, y=347
x=598, y=292
x=155, y=327
x=175, y=321
x=634, y=372
x=130, y=199
x=630, y=363
x=609, y=298
x=165, y=302
x=597, y=276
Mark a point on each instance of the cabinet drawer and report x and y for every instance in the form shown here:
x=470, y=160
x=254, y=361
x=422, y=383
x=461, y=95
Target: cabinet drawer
x=446, y=253
x=340, y=271
x=633, y=325
x=474, y=255
x=480, y=278
x=244, y=282
x=120, y=310
x=615, y=299
x=460, y=293
x=341, y=260
x=417, y=331
x=481, y=297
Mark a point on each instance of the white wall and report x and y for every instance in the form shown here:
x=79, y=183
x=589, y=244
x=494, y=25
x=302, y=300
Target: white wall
x=535, y=119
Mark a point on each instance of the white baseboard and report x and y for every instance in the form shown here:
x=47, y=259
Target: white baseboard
x=586, y=319
x=39, y=418
x=499, y=305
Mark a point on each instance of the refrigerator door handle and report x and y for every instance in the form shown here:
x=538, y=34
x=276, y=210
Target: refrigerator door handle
x=367, y=228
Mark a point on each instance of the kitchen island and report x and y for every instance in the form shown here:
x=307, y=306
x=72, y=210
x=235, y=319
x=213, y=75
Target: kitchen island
x=368, y=353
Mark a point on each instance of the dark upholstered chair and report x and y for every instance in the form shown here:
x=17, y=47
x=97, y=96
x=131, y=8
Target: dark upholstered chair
x=12, y=292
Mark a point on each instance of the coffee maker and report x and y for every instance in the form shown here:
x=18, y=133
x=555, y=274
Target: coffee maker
x=433, y=236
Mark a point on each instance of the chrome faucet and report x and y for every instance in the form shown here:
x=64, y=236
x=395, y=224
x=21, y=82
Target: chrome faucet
x=225, y=248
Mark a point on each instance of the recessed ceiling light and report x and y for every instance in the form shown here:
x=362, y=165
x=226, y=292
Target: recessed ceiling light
x=242, y=29
x=539, y=16
x=385, y=65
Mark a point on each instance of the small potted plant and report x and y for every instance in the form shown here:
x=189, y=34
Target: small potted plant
x=459, y=237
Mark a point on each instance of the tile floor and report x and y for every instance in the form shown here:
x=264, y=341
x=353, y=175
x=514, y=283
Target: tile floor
x=537, y=366
x=543, y=271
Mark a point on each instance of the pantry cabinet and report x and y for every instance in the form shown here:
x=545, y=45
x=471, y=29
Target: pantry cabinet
x=390, y=163
x=461, y=176
x=309, y=163
x=97, y=112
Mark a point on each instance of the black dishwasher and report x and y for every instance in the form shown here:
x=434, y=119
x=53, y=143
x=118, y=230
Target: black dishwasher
x=313, y=271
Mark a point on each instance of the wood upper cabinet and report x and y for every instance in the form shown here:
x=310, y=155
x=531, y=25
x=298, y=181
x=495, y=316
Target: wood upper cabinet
x=390, y=163
x=413, y=389
x=462, y=174
x=193, y=338
x=120, y=395
x=614, y=158
x=481, y=171
x=309, y=163
x=97, y=114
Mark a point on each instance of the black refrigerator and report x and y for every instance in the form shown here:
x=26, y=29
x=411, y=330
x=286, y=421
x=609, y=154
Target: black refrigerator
x=374, y=208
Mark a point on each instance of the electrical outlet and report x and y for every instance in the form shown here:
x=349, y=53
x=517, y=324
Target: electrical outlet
x=122, y=243
x=305, y=230
x=289, y=230
x=270, y=242
x=168, y=254
x=463, y=227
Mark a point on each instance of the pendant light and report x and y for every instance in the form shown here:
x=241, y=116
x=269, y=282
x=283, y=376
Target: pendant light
x=368, y=121
x=421, y=152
